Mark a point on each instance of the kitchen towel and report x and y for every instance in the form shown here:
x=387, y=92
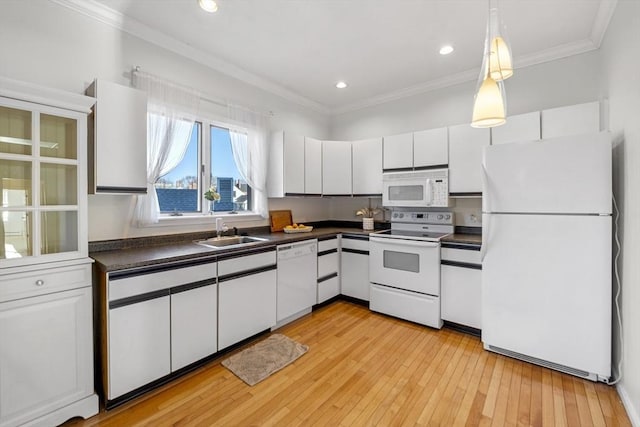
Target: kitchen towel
x=257, y=362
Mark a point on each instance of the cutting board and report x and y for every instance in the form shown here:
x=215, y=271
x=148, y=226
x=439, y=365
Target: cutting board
x=280, y=219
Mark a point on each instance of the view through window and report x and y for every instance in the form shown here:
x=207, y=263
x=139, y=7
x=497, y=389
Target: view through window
x=234, y=192
x=182, y=189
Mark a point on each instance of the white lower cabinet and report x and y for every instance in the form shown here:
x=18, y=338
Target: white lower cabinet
x=194, y=324
x=355, y=267
x=139, y=344
x=247, y=296
x=247, y=307
x=156, y=322
x=461, y=281
x=328, y=270
x=46, y=358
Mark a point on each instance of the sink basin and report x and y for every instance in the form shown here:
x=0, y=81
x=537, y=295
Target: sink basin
x=226, y=241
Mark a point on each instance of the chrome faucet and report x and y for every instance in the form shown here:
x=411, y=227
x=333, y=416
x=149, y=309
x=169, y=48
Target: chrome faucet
x=221, y=227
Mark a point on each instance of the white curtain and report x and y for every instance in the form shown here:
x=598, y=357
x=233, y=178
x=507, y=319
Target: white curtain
x=171, y=112
x=248, y=133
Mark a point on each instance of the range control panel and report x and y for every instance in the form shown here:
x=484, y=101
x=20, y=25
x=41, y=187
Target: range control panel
x=444, y=218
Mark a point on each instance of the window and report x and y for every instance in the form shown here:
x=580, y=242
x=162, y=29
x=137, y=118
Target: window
x=179, y=189
x=208, y=161
x=235, y=193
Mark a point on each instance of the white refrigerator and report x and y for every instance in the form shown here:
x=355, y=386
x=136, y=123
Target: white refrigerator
x=546, y=266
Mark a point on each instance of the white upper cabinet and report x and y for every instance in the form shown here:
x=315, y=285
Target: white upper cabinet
x=118, y=141
x=522, y=127
x=398, y=151
x=293, y=164
x=465, y=158
x=312, y=166
x=571, y=120
x=336, y=168
x=431, y=148
x=286, y=165
x=367, y=166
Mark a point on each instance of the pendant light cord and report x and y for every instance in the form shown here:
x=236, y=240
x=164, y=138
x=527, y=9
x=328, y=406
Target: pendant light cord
x=618, y=290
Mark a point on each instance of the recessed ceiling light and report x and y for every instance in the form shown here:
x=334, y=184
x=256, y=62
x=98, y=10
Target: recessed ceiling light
x=341, y=85
x=208, y=5
x=446, y=50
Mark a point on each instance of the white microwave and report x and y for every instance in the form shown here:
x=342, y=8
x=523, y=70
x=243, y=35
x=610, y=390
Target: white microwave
x=427, y=188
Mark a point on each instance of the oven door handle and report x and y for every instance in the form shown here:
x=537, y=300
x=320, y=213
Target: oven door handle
x=403, y=242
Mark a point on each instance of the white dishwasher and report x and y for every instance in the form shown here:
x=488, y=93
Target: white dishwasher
x=297, y=280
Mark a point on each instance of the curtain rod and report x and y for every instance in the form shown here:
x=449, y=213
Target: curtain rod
x=214, y=101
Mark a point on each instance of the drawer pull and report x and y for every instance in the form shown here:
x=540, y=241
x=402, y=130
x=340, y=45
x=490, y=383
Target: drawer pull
x=39, y=282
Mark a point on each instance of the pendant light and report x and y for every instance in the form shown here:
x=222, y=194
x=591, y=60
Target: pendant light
x=490, y=106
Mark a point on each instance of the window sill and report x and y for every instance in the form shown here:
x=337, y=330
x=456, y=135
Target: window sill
x=199, y=219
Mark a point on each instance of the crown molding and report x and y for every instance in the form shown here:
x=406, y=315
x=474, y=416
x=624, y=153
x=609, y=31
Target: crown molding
x=115, y=19
x=124, y=23
x=601, y=22
x=557, y=52
x=440, y=83
x=554, y=53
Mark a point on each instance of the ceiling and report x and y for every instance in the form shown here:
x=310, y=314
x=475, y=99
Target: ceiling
x=384, y=50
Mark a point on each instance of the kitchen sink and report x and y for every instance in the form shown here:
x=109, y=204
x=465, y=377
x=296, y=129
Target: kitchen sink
x=227, y=241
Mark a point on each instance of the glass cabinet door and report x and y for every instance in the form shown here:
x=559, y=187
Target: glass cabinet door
x=38, y=183
x=15, y=131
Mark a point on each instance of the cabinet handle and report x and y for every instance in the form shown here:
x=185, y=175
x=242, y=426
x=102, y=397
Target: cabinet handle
x=39, y=282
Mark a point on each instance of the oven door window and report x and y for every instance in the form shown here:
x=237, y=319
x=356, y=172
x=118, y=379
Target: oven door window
x=406, y=192
x=401, y=261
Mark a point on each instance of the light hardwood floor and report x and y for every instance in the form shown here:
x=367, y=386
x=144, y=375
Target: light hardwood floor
x=363, y=369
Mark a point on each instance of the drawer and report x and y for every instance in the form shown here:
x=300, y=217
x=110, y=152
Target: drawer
x=245, y=263
x=469, y=256
x=325, y=245
x=360, y=245
x=328, y=289
x=45, y=281
x=419, y=308
x=142, y=283
x=327, y=264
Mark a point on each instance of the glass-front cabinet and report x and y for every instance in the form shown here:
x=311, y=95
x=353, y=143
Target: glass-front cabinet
x=46, y=328
x=43, y=183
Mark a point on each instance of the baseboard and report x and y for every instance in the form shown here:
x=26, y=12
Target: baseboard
x=632, y=412
x=84, y=408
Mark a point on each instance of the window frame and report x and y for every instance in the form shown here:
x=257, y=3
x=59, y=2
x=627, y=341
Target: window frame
x=204, y=181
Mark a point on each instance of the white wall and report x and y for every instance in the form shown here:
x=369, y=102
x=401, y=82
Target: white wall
x=567, y=81
x=620, y=66
x=44, y=43
x=563, y=82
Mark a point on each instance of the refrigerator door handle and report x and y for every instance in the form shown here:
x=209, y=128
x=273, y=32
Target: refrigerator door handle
x=485, y=208
x=485, y=190
x=486, y=220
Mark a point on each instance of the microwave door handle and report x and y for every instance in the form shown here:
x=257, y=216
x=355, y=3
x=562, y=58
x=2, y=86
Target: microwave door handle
x=429, y=199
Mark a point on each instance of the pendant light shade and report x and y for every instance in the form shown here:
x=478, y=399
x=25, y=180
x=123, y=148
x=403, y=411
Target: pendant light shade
x=489, y=105
x=500, y=67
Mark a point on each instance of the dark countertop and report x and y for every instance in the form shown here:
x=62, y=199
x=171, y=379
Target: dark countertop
x=469, y=239
x=176, y=252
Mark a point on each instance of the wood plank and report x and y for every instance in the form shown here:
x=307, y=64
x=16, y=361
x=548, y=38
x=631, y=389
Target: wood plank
x=559, y=409
x=535, y=415
x=499, y=415
x=548, y=413
x=524, y=402
x=364, y=368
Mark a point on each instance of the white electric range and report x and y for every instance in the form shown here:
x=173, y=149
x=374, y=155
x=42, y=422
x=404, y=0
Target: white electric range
x=404, y=266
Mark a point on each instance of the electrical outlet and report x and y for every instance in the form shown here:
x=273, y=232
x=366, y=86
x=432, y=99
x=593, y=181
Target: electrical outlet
x=474, y=219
